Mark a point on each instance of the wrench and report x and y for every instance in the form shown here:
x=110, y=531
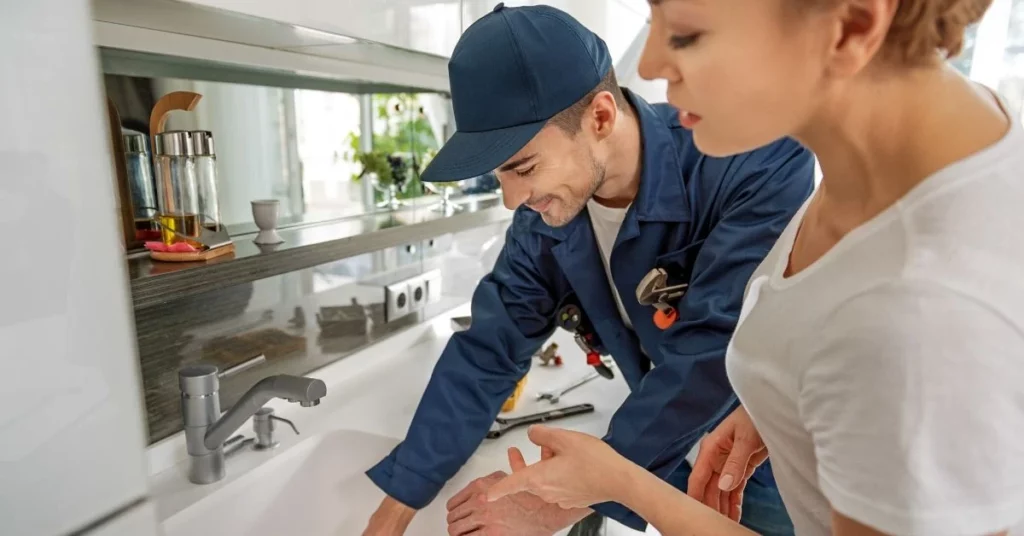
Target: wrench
x=503, y=425
x=554, y=397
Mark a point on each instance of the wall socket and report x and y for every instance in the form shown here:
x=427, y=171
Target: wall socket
x=411, y=295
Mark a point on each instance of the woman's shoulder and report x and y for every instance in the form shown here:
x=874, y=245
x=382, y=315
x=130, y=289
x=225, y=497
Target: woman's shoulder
x=913, y=324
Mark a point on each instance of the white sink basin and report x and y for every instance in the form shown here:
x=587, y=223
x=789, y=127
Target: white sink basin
x=316, y=488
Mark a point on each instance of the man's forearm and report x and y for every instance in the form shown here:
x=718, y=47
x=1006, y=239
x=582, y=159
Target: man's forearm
x=672, y=512
x=391, y=518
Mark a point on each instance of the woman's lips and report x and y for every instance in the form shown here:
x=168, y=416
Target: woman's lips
x=688, y=119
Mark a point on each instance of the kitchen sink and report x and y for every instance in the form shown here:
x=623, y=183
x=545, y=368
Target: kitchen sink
x=316, y=488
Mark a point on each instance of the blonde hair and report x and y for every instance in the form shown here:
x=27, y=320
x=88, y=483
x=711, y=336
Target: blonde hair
x=921, y=27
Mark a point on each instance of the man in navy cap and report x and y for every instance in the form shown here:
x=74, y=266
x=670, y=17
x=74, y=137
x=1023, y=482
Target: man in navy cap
x=607, y=187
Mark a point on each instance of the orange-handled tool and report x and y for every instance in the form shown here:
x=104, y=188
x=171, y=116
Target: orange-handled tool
x=655, y=291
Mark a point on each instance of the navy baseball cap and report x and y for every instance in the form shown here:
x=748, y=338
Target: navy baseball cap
x=512, y=71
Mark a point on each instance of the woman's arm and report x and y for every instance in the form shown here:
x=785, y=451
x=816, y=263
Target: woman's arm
x=672, y=512
x=578, y=470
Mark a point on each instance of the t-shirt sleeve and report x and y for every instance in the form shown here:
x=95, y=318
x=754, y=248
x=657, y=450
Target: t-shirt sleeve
x=914, y=397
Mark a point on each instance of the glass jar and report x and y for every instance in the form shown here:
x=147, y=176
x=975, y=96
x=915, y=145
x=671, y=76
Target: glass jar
x=177, y=189
x=140, y=180
x=206, y=179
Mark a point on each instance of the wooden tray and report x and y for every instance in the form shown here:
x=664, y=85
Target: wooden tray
x=194, y=256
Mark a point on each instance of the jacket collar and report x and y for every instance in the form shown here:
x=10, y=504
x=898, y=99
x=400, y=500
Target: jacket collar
x=662, y=194
x=661, y=197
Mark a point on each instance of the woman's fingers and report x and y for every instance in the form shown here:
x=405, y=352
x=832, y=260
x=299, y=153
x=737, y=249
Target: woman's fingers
x=524, y=479
x=736, y=504
x=758, y=458
x=703, y=470
x=712, y=495
x=547, y=438
x=735, y=467
x=516, y=460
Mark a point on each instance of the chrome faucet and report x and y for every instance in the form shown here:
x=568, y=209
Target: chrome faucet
x=206, y=429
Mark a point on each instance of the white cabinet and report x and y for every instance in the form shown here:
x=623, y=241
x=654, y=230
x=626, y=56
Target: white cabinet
x=329, y=41
x=425, y=26
x=71, y=420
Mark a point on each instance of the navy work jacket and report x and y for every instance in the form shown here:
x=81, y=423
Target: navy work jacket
x=708, y=221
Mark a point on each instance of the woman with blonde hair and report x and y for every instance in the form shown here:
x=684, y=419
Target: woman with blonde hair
x=879, y=358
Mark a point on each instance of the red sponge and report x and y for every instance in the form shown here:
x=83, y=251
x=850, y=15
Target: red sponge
x=177, y=247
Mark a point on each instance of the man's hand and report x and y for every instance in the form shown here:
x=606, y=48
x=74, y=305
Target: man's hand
x=390, y=519
x=727, y=459
x=520, y=514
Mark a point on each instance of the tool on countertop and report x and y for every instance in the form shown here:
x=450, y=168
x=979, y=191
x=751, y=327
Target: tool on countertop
x=549, y=356
x=654, y=290
x=570, y=318
x=513, y=399
x=504, y=425
x=557, y=394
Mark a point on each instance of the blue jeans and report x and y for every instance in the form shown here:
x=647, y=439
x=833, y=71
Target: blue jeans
x=763, y=511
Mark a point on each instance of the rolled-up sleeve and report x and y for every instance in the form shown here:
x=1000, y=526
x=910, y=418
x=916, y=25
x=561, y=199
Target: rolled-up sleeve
x=512, y=310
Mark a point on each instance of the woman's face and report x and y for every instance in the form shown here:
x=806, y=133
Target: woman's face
x=743, y=72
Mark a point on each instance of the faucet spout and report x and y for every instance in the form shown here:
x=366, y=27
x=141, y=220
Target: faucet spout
x=206, y=429
x=305, y=391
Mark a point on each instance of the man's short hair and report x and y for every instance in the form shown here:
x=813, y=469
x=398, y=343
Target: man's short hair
x=570, y=119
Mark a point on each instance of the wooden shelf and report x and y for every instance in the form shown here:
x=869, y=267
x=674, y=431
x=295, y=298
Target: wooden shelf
x=154, y=283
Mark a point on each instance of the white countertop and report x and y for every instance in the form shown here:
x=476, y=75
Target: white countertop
x=376, y=391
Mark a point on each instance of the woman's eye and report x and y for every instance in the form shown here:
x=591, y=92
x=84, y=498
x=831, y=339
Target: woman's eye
x=526, y=172
x=683, y=41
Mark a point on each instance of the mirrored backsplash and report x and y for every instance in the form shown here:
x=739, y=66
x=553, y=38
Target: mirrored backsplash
x=277, y=317
x=324, y=155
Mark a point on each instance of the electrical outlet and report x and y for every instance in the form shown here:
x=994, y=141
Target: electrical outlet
x=396, y=301
x=417, y=293
x=432, y=285
x=411, y=295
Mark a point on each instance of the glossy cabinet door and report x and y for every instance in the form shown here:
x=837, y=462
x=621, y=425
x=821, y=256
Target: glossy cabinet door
x=71, y=421
x=431, y=27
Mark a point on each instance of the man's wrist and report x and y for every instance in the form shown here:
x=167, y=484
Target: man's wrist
x=394, y=513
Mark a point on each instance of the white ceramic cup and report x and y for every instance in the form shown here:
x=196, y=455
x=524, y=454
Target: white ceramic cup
x=264, y=213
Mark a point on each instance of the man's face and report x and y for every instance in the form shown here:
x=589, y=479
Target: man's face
x=555, y=174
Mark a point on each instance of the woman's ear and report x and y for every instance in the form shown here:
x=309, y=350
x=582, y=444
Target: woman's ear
x=860, y=28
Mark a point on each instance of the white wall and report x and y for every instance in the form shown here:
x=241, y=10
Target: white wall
x=71, y=421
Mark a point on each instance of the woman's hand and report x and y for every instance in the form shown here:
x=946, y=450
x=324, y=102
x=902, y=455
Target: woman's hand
x=576, y=470
x=727, y=459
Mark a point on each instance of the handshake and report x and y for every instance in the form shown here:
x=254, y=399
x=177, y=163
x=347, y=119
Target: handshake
x=556, y=492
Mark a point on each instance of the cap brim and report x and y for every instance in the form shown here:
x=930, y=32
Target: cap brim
x=471, y=154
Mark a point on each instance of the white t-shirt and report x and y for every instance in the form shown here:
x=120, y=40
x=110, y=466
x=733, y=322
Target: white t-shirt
x=606, y=222
x=887, y=379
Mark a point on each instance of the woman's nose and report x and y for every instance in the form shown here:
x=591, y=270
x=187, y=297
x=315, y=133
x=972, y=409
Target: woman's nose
x=654, y=64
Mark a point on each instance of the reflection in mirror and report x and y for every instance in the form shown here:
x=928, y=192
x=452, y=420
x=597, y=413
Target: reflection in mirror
x=305, y=148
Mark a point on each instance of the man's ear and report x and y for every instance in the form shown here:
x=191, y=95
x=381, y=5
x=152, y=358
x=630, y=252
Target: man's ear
x=860, y=30
x=602, y=114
